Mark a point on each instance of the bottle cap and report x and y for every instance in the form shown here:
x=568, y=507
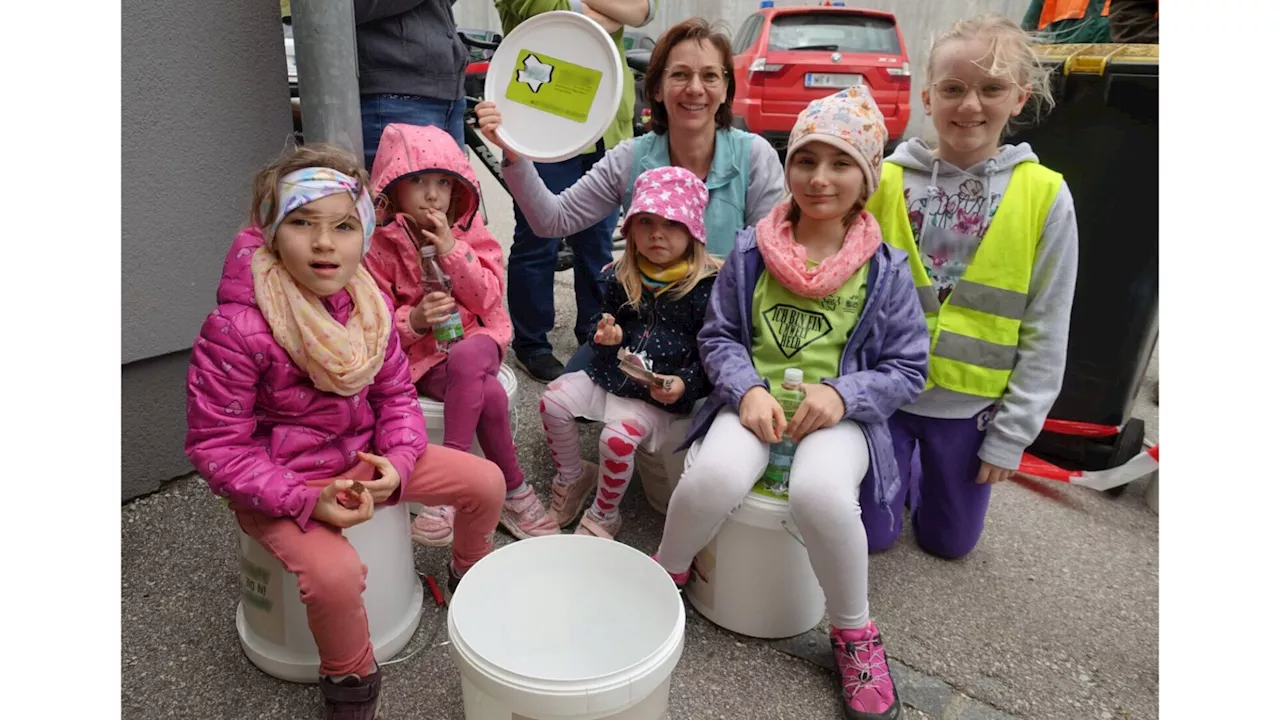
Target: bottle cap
x=793, y=376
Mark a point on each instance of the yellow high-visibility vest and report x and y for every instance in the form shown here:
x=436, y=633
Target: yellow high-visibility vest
x=974, y=334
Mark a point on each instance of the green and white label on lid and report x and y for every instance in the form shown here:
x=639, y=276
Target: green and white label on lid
x=553, y=85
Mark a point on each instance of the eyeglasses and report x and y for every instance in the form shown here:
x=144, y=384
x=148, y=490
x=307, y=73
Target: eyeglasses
x=953, y=91
x=681, y=77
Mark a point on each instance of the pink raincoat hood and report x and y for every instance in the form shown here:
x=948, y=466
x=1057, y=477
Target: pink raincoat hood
x=410, y=149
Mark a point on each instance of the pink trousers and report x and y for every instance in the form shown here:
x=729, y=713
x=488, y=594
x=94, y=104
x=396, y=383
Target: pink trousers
x=330, y=574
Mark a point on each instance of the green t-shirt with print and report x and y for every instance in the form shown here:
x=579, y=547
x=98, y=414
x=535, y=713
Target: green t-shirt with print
x=514, y=12
x=789, y=330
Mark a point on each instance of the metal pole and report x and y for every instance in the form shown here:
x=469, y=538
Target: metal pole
x=324, y=36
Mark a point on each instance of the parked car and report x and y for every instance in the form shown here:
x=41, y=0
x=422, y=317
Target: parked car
x=783, y=58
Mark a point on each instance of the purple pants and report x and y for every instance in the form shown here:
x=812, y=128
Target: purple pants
x=475, y=403
x=939, y=463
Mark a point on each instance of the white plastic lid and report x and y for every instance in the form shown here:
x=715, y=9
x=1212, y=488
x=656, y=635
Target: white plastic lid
x=793, y=376
x=557, y=80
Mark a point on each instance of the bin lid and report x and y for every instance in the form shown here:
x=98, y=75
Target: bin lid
x=1098, y=58
x=557, y=80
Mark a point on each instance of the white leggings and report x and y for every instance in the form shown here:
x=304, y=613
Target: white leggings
x=825, y=475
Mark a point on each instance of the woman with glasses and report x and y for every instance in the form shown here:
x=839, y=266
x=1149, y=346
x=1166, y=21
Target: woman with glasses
x=690, y=90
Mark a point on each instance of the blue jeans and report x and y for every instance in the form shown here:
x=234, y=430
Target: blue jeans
x=532, y=265
x=582, y=358
x=378, y=111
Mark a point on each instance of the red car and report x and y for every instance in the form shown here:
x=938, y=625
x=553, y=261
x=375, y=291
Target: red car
x=786, y=57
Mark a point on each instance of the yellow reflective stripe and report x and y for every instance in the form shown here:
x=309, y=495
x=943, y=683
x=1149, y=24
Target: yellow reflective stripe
x=971, y=350
x=991, y=300
x=963, y=321
x=968, y=379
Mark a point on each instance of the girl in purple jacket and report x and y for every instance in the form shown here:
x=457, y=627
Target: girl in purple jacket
x=811, y=286
x=301, y=414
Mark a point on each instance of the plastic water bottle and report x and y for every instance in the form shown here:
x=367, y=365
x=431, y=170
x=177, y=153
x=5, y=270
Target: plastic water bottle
x=434, y=279
x=777, y=474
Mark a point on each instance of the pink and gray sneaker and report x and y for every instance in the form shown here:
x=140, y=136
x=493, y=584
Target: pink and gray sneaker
x=866, y=686
x=524, y=516
x=433, y=527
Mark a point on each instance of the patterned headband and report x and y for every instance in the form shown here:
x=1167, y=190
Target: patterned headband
x=310, y=184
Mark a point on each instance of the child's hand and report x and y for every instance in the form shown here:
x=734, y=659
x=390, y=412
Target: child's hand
x=434, y=309
x=822, y=408
x=438, y=233
x=760, y=413
x=383, y=486
x=992, y=474
x=607, y=331
x=488, y=118
x=673, y=392
x=329, y=509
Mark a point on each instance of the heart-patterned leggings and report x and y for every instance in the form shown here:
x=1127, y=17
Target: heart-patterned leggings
x=628, y=424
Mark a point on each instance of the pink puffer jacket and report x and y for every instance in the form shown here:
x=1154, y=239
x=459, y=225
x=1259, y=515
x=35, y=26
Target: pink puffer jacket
x=258, y=429
x=474, y=265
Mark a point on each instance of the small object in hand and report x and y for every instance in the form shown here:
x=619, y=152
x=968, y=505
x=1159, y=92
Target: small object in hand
x=638, y=366
x=349, y=498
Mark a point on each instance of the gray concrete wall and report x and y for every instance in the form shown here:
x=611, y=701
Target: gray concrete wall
x=205, y=102
x=918, y=19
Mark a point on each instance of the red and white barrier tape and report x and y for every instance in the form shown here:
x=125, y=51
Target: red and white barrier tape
x=1141, y=465
x=1081, y=429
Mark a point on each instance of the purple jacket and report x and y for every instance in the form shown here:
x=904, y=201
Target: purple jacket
x=883, y=366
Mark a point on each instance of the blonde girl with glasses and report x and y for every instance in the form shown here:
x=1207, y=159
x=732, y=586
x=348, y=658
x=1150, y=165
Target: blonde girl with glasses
x=991, y=239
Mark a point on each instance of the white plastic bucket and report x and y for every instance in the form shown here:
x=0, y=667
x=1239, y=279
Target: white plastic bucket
x=433, y=412
x=272, y=621
x=754, y=577
x=596, y=629
x=659, y=472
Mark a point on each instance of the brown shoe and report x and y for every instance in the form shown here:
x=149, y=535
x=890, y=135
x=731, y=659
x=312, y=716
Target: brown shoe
x=352, y=697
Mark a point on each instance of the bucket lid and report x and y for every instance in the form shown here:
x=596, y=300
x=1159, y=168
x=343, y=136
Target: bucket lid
x=547, y=610
x=557, y=80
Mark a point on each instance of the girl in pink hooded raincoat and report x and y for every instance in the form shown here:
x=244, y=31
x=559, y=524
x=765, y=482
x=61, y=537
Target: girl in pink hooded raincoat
x=298, y=390
x=427, y=198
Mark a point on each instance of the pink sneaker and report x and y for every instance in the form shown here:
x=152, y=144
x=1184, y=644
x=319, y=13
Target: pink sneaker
x=600, y=527
x=866, y=686
x=524, y=517
x=680, y=579
x=434, y=526
x=567, y=499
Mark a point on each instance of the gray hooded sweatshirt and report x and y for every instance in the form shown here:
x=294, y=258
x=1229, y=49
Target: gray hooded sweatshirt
x=955, y=206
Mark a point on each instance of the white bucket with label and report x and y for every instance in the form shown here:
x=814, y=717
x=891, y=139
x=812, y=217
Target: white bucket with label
x=433, y=412
x=272, y=621
x=754, y=577
x=595, y=634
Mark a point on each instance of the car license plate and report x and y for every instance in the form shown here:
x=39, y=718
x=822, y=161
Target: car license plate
x=832, y=80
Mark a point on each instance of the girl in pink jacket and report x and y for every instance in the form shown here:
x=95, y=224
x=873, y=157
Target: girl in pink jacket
x=301, y=413
x=427, y=198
